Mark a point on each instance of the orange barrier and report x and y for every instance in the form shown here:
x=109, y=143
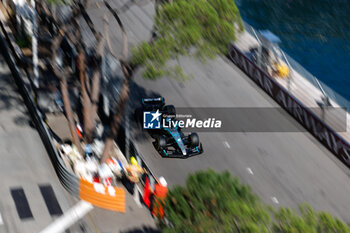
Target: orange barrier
x=106, y=197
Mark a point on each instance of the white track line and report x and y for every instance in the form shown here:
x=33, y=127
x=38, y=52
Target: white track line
x=227, y=145
x=249, y=170
x=1, y=220
x=274, y=199
x=69, y=218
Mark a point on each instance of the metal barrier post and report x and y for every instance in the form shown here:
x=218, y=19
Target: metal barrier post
x=290, y=70
x=35, y=45
x=151, y=182
x=259, y=48
x=127, y=132
x=69, y=181
x=138, y=159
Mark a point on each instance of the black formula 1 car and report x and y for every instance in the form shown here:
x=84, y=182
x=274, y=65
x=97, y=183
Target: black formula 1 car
x=169, y=141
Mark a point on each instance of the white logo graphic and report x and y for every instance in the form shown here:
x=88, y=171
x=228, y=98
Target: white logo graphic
x=151, y=120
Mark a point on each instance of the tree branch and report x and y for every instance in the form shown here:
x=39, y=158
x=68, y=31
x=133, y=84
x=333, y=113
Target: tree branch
x=95, y=93
x=118, y=116
x=124, y=36
x=89, y=125
x=64, y=91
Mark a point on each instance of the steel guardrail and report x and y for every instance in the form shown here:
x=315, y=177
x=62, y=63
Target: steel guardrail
x=69, y=180
x=134, y=151
x=317, y=83
x=316, y=126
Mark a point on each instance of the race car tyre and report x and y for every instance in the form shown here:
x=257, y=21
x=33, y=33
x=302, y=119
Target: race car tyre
x=160, y=142
x=169, y=109
x=194, y=139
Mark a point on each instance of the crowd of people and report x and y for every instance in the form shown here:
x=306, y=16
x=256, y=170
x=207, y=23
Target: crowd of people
x=129, y=173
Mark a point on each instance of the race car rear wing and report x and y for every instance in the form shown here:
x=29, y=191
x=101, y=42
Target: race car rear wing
x=153, y=101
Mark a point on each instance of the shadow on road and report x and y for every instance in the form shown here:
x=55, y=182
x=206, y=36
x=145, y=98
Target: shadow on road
x=10, y=99
x=144, y=229
x=136, y=94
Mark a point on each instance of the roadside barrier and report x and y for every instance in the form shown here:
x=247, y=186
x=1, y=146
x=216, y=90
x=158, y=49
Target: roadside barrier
x=112, y=198
x=69, y=180
x=318, y=128
x=296, y=67
x=107, y=197
x=134, y=151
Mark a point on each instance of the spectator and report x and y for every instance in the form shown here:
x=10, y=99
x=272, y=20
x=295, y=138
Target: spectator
x=158, y=198
x=88, y=151
x=105, y=174
x=133, y=173
x=115, y=166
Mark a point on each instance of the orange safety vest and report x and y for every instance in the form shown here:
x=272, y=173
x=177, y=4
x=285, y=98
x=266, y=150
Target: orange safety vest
x=160, y=193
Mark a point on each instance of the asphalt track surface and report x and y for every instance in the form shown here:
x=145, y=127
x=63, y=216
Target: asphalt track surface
x=25, y=164
x=283, y=168
x=288, y=168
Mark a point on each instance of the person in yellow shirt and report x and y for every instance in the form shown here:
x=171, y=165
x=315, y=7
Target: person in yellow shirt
x=133, y=172
x=281, y=69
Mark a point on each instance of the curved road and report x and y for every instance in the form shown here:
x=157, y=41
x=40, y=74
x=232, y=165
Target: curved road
x=284, y=168
x=25, y=166
x=288, y=167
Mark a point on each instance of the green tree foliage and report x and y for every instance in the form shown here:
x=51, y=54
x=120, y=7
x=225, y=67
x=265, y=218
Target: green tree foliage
x=217, y=202
x=213, y=202
x=57, y=2
x=288, y=221
x=24, y=40
x=202, y=28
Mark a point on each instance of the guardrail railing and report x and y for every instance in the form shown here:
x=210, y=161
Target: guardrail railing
x=71, y=182
x=314, y=124
x=68, y=179
x=112, y=198
x=134, y=151
x=326, y=90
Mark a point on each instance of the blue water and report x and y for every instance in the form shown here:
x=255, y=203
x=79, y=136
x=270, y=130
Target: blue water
x=316, y=33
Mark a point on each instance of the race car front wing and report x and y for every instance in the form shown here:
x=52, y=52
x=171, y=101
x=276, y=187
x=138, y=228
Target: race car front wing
x=176, y=154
